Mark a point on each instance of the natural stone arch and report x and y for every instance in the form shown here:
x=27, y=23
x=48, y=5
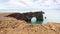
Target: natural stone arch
x=27, y=16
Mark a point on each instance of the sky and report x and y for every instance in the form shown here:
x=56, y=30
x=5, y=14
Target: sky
x=29, y=5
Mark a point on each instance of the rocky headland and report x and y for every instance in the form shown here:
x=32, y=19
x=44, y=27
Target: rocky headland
x=27, y=16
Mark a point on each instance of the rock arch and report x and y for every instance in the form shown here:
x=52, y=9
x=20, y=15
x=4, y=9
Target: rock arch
x=27, y=16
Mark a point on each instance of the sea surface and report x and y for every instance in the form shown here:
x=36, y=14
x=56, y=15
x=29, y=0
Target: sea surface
x=51, y=16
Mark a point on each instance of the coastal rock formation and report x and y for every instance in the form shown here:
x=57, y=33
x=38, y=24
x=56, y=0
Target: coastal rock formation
x=10, y=25
x=27, y=16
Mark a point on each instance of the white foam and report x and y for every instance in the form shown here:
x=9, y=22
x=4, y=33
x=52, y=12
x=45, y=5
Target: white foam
x=33, y=19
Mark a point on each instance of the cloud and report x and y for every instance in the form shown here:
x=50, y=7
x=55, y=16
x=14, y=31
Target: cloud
x=18, y=4
x=3, y=1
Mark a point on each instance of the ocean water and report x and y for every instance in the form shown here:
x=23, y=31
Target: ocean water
x=51, y=16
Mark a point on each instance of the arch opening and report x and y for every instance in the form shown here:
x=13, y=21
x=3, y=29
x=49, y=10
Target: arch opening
x=33, y=19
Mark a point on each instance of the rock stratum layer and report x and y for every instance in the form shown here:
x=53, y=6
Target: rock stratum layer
x=10, y=25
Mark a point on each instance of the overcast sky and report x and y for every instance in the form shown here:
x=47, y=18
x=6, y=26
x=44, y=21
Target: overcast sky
x=29, y=4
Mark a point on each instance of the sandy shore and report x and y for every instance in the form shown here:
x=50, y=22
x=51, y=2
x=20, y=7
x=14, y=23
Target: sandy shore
x=10, y=25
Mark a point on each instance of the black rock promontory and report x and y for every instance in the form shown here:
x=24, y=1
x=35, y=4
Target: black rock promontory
x=27, y=16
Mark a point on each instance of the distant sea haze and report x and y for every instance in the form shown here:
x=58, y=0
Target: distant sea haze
x=52, y=16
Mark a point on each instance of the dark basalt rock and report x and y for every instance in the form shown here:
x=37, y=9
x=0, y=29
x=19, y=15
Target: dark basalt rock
x=27, y=16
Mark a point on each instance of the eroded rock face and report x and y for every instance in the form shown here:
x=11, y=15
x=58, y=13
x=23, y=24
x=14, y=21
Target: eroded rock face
x=27, y=16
